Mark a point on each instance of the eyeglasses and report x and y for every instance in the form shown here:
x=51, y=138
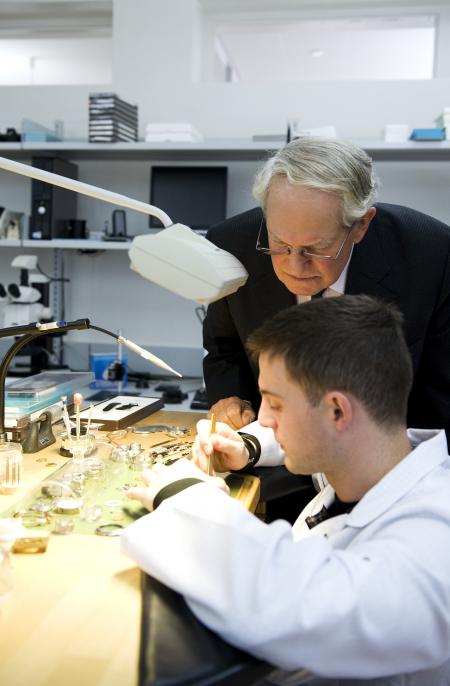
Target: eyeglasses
x=303, y=252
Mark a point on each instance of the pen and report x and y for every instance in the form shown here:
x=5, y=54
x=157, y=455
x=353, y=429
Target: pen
x=212, y=431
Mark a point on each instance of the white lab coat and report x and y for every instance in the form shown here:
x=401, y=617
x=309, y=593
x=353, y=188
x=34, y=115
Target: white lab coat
x=362, y=595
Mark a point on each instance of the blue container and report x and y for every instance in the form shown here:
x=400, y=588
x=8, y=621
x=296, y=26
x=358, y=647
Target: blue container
x=109, y=372
x=427, y=135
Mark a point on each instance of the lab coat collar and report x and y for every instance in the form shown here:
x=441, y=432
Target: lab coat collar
x=429, y=449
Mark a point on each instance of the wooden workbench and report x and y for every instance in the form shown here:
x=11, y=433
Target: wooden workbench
x=73, y=616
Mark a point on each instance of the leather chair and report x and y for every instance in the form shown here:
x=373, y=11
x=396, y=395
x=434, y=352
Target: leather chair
x=176, y=649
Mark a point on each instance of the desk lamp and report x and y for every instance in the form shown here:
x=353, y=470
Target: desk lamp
x=175, y=258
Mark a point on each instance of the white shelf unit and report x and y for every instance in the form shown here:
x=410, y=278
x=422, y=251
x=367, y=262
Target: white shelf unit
x=213, y=150
x=6, y=243
x=218, y=149
x=76, y=244
x=66, y=244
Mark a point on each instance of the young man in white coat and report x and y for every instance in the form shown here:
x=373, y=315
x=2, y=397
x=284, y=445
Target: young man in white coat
x=359, y=587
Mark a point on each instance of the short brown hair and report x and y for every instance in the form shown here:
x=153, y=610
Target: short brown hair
x=353, y=343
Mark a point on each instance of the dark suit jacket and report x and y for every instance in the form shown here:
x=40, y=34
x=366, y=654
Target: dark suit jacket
x=403, y=259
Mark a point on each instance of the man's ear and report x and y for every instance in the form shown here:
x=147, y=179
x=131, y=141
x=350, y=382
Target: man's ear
x=363, y=225
x=339, y=409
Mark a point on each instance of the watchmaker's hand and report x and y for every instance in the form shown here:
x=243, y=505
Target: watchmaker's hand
x=233, y=411
x=161, y=475
x=225, y=448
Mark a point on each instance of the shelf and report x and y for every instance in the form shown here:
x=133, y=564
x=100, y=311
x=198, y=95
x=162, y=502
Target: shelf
x=407, y=151
x=6, y=243
x=74, y=244
x=216, y=150
x=67, y=244
x=213, y=149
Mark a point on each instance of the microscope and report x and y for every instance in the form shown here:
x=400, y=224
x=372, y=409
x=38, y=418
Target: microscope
x=25, y=302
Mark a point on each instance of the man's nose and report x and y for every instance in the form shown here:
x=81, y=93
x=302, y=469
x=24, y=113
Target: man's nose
x=265, y=419
x=298, y=262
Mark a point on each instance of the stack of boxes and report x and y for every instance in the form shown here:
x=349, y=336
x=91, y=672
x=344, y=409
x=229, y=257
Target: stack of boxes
x=111, y=119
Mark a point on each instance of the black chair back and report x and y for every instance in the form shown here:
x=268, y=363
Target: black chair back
x=178, y=650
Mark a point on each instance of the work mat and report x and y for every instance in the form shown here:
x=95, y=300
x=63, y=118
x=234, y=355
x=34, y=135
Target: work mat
x=89, y=497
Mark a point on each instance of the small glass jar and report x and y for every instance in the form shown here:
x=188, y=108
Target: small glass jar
x=126, y=452
x=92, y=513
x=114, y=510
x=63, y=526
x=11, y=461
x=68, y=506
x=139, y=463
x=94, y=469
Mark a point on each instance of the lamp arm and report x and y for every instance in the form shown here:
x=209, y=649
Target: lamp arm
x=176, y=258
x=47, y=327
x=3, y=371
x=138, y=350
x=84, y=189
x=26, y=337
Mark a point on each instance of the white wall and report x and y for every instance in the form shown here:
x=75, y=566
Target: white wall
x=358, y=109
x=156, y=64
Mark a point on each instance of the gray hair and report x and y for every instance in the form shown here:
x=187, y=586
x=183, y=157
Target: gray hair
x=326, y=164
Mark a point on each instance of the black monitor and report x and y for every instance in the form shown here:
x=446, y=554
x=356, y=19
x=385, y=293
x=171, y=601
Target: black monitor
x=194, y=196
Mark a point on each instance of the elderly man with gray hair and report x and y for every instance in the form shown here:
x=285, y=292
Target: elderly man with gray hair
x=318, y=233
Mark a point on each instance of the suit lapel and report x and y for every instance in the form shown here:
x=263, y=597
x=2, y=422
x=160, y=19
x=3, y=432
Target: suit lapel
x=369, y=271
x=273, y=295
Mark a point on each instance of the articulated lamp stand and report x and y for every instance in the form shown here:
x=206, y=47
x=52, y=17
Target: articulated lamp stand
x=175, y=258
x=30, y=331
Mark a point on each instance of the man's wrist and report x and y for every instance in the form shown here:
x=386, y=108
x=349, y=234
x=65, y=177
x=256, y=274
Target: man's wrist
x=253, y=448
x=174, y=488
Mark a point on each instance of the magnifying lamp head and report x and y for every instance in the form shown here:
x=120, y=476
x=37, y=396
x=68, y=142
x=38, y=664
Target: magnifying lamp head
x=176, y=258
x=187, y=264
